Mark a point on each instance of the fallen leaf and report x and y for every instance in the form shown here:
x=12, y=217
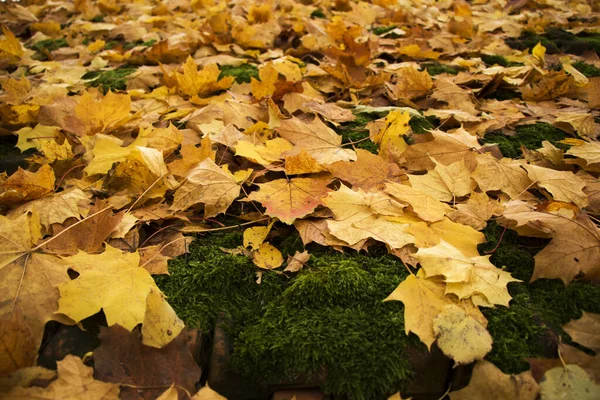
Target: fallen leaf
x=574, y=249
x=28, y=294
x=487, y=381
x=266, y=85
x=460, y=336
x=505, y=175
x=10, y=47
x=201, y=83
x=24, y=185
x=161, y=325
x=444, y=183
x=206, y=393
x=585, y=330
x=360, y=215
x=563, y=185
x=410, y=84
x=144, y=371
x=368, y=171
x=297, y=261
x=103, y=115
x=112, y=281
x=291, y=199
x=75, y=381
x=320, y=141
x=568, y=382
x=87, y=235
x=190, y=157
x=208, y=184
x=267, y=256
x=424, y=205
x=476, y=211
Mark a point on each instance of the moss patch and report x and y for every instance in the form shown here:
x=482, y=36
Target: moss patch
x=242, y=73
x=586, y=69
x=556, y=40
x=421, y=125
x=115, y=79
x=329, y=317
x=380, y=30
x=498, y=60
x=318, y=13
x=45, y=47
x=521, y=331
x=529, y=136
x=437, y=68
x=356, y=130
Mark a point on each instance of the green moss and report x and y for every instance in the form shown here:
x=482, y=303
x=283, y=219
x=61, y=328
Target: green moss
x=556, y=40
x=318, y=13
x=115, y=79
x=502, y=94
x=98, y=18
x=242, y=73
x=437, y=68
x=499, y=60
x=329, y=317
x=44, y=47
x=380, y=30
x=529, y=136
x=355, y=131
x=586, y=69
x=423, y=124
x=209, y=281
x=523, y=329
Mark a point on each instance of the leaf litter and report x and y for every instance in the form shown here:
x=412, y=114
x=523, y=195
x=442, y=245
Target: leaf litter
x=140, y=120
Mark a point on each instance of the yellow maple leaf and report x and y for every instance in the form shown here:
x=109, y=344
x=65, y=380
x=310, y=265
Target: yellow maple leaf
x=444, y=183
x=264, y=87
x=24, y=185
x=34, y=138
x=28, y=294
x=291, y=199
x=10, y=47
x=360, y=215
x=467, y=276
x=16, y=90
x=113, y=281
x=75, y=381
x=215, y=187
x=563, y=185
x=320, y=141
x=539, y=52
x=191, y=156
x=193, y=83
x=104, y=114
x=424, y=205
x=161, y=323
x=410, y=84
x=424, y=300
x=265, y=154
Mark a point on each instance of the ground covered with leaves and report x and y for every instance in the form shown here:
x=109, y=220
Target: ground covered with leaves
x=339, y=187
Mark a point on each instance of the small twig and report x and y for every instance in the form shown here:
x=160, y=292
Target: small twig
x=499, y=241
x=155, y=233
x=145, y=191
x=235, y=226
x=207, y=219
x=65, y=174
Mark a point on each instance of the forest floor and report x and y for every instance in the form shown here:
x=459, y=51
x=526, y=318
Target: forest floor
x=380, y=199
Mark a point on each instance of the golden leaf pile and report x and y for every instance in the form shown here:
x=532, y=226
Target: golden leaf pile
x=179, y=142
